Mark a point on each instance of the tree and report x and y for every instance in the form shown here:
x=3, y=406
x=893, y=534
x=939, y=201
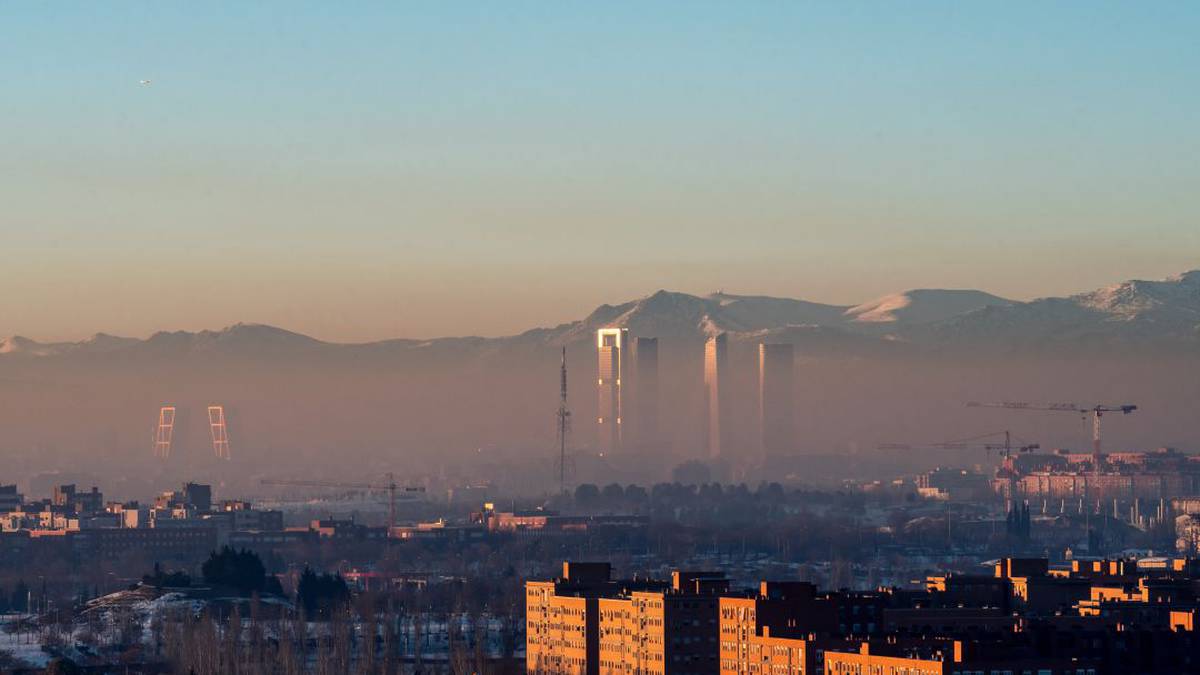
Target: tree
x=613, y=495
x=20, y=597
x=636, y=495
x=586, y=495
x=161, y=579
x=10, y=663
x=61, y=666
x=242, y=570
x=320, y=594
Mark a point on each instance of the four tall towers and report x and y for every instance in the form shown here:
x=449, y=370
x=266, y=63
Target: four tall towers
x=629, y=415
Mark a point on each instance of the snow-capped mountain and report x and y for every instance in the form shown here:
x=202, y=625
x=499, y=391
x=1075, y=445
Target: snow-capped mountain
x=1131, y=313
x=1173, y=300
x=673, y=315
x=97, y=344
x=922, y=306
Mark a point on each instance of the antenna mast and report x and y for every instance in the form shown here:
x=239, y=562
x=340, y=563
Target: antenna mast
x=564, y=425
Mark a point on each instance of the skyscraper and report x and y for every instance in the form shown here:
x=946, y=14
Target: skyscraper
x=645, y=416
x=775, y=398
x=718, y=396
x=610, y=346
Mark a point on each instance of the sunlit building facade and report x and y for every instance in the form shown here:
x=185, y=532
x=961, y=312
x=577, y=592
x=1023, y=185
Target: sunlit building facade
x=611, y=346
x=718, y=396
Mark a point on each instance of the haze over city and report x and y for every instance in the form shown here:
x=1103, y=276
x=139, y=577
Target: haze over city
x=619, y=339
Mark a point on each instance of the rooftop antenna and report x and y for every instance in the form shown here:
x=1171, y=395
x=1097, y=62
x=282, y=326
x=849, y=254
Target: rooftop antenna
x=564, y=425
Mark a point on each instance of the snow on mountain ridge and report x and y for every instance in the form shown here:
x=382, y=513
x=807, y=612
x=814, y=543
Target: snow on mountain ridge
x=1131, y=311
x=923, y=305
x=671, y=314
x=17, y=344
x=1137, y=298
x=753, y=312
x=1163, y=312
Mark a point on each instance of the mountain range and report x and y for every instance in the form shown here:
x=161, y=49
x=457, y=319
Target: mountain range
x=1161, y=314
x=898, y=368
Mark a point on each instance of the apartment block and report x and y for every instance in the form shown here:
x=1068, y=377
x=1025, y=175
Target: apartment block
x=586, y=623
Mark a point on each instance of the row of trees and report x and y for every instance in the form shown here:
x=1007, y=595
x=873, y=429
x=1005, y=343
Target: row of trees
x=614, y=495
x=321, y=594
x=243, y=571
x=374, y=634
x=693, y=503
x=240, y=570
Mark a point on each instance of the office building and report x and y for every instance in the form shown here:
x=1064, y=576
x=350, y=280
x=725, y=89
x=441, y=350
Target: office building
x=776, y=400
x=75, y=501
x=611, y=346
x=198, y=495
x=718, y=396
x=645, y=417
x=10, y=499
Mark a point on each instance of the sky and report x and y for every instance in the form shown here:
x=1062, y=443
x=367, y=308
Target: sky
x=370, y=170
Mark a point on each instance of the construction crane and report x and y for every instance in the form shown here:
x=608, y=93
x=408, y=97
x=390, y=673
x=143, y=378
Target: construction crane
x=391, y=487
x=1006, y=448
x=1096, y=412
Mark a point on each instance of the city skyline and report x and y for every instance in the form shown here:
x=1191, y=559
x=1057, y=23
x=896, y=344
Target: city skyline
x=684, y=338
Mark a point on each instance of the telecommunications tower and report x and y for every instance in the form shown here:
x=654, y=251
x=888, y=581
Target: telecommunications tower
x=564, y=425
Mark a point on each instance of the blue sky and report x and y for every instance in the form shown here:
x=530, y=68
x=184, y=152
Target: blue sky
x=379, y=169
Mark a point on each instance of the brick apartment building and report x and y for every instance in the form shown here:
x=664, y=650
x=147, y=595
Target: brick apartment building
x=1095, y=617
x=587, y=624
